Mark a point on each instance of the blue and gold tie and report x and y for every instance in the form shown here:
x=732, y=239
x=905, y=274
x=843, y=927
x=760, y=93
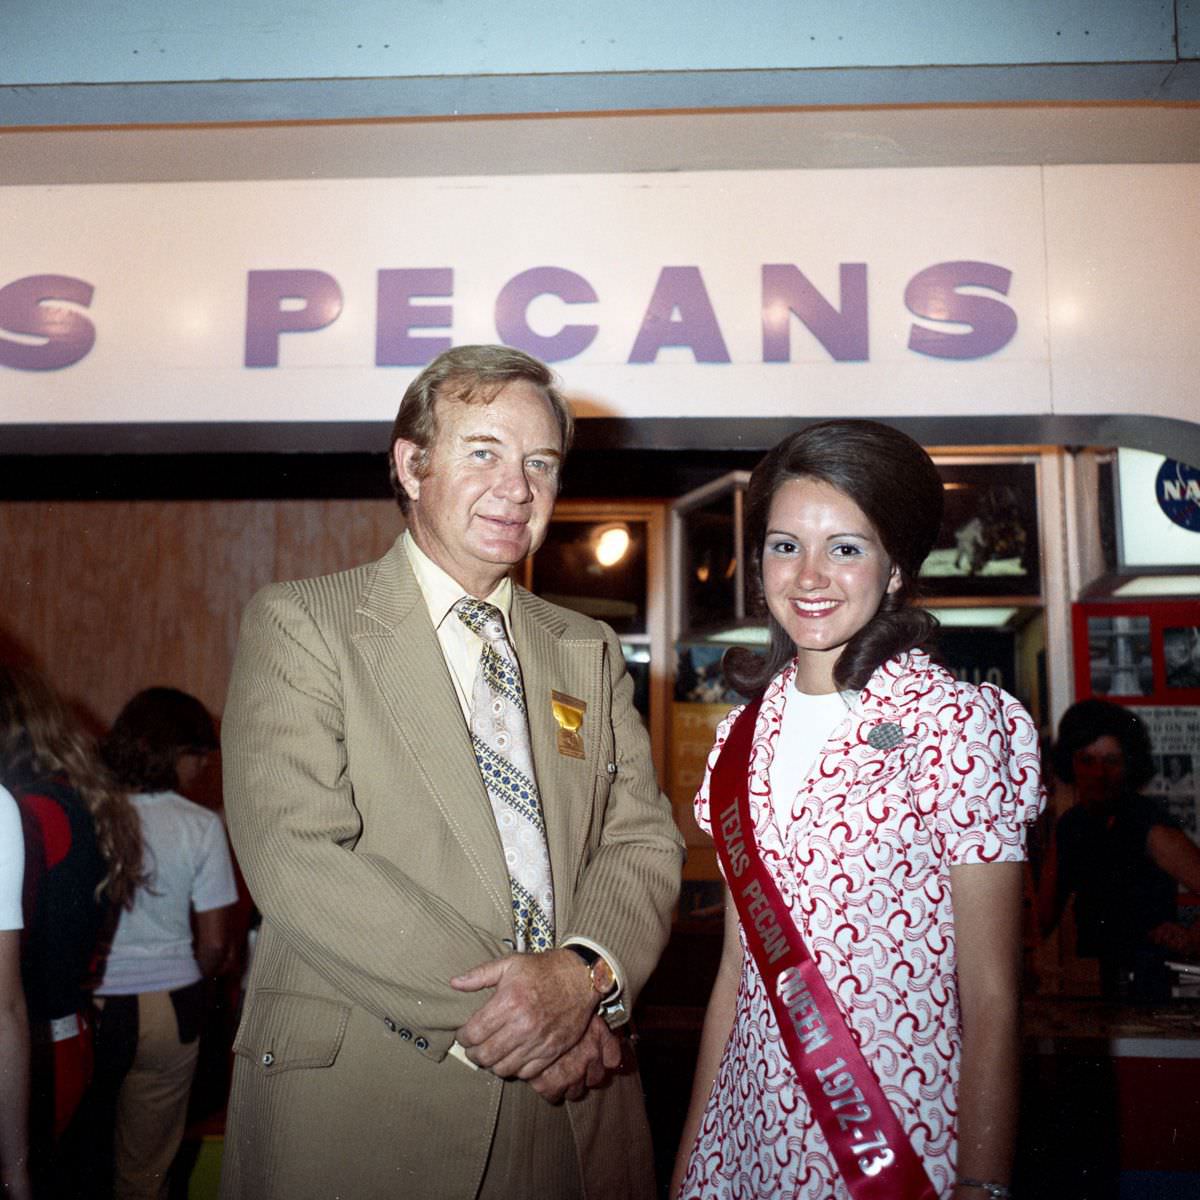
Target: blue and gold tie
x=500, y=737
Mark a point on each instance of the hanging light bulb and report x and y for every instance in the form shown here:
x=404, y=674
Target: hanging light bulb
x=612, y=544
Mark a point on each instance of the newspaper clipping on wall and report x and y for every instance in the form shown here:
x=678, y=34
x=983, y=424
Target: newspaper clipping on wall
x=1175, y=736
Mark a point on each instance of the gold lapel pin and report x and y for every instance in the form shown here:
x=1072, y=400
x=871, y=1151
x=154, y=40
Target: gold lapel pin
x=568, y=714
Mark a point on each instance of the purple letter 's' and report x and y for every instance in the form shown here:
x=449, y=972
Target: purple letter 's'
x=933, y=294
x=266, y=318
x=396, y=314
x=682, y=289
x=512, y=307
x=844, y=332
x=27, y=307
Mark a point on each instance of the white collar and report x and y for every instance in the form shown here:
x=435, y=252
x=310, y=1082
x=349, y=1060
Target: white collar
x=442, y=592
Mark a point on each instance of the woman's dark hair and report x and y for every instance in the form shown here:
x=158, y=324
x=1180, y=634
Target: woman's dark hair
x=898, y=488
x=151, y=732
x=1088, y=720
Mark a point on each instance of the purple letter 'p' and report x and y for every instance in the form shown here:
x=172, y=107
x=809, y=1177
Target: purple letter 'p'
x=266, y=318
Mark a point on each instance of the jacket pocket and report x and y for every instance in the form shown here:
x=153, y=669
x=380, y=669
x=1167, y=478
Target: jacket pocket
x=281, y=1031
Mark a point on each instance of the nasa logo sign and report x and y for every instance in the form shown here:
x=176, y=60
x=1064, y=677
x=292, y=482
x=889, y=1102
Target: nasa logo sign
x=1177, y=490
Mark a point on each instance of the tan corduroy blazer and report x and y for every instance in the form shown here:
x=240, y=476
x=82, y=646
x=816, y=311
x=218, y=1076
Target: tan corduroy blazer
x=366, y=836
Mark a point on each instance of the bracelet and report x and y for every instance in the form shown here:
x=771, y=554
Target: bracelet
x=995, y=1191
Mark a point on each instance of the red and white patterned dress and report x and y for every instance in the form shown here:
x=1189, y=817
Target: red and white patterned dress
x=862, y=857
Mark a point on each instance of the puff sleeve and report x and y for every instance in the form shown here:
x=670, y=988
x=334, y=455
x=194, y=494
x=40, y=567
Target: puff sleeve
x=986, y=778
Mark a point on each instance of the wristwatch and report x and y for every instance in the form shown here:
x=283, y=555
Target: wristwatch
x=601, y=974
x=612, y=1010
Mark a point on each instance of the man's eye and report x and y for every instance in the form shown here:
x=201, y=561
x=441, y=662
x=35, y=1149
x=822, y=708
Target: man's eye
x=482, y=455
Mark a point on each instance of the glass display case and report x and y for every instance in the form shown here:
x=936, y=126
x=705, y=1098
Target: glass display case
x=607, y=561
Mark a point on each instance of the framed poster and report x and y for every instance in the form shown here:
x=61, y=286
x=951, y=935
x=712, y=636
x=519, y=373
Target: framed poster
x=1146, y=656
x=1138, y=652
x=988, y=544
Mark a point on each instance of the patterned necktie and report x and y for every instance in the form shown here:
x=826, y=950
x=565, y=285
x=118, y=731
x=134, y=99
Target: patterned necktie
x=500, y=737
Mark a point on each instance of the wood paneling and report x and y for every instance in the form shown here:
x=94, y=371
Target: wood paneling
x=108, y=597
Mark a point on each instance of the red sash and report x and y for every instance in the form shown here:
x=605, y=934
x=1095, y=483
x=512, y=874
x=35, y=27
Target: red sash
x=868, y=1143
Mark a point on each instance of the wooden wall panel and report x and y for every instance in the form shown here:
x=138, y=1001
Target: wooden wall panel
x=337, y=533
x=108, y=597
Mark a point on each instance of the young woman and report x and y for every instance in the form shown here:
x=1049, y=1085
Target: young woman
x=886, y=805
x=83, y=857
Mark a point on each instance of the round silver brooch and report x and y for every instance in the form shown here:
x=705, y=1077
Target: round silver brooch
x=886, y=736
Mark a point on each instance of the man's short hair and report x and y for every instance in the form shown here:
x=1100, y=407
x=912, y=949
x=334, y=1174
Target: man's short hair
x=468, y=375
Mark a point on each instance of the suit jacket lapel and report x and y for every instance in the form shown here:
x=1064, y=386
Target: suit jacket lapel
x=398, y=643
x=575, y=667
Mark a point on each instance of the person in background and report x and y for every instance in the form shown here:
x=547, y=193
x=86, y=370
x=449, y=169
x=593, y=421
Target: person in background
x=83, y=862
x=1118, y=853
x=871, y=820
x=151, y=996
x=14, y=1026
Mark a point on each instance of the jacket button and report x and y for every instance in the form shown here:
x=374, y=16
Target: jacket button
x=268, y=1059
x=406, y=1035
x=421, y=1043
x=612, y=768
x=389, y=1024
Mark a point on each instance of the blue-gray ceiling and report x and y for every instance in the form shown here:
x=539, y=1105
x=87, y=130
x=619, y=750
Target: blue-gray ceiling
x=79, y=62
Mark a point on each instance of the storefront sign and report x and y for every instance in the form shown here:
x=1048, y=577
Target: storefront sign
x=679, y=313
x=932, y=292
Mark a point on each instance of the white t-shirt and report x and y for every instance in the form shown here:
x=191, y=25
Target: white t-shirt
x=807, y=723
x=188, y=866
x=12, y=862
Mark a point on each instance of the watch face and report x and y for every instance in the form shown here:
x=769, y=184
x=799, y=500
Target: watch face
x=602, y=977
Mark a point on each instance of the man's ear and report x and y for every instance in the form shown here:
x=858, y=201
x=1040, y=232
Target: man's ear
x=409, y=460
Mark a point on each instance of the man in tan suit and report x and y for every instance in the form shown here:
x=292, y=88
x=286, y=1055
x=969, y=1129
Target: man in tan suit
x=393, y=1044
